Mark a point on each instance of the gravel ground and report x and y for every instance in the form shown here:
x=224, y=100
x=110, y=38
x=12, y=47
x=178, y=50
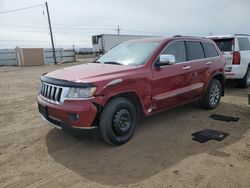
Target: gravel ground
x=161, y=153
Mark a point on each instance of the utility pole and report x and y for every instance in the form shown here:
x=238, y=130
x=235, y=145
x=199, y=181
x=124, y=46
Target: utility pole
x=118, y=30
x=211, y=33
x=51, y=34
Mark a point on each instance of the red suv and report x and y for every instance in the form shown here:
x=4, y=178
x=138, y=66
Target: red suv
x=134, y=79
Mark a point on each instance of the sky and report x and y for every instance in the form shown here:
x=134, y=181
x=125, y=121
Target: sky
x=75, y=21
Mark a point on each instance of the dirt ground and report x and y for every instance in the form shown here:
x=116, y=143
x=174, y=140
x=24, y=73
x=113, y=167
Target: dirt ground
x=161, y=153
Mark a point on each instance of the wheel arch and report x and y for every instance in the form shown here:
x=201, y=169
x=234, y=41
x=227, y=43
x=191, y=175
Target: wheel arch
x=246, y=66
x=132, y=97
x=221, y=78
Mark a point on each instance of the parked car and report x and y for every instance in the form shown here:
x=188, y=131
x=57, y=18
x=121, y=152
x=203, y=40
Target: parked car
x=236, y=49
x=134, y=79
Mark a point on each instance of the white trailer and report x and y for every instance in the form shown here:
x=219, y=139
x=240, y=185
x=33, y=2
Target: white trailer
x=103, y=42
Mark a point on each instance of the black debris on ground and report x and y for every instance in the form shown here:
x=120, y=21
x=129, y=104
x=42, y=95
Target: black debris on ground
x=209, y=134
x=224, y=118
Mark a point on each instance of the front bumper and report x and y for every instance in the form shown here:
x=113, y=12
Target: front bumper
x=77, y=114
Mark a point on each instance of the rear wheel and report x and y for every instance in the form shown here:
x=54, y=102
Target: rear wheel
x=211, y=99
x=118, y=121
x=245, y=82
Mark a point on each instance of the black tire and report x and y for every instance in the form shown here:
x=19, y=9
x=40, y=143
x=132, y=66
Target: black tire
x=211, y=98
x=245, y=81
x=118, y=121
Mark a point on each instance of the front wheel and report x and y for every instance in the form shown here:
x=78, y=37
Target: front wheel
x=211, y=98
x=118, y=121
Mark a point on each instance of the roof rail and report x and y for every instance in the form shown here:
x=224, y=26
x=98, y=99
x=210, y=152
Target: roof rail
x=185, y=36
x=237, y=34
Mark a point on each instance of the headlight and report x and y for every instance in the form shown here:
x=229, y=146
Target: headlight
x=81, y=92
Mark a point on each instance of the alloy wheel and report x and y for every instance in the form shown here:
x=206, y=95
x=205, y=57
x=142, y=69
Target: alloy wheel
x=214, y=94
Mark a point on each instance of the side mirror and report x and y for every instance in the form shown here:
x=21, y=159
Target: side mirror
x=166, y=59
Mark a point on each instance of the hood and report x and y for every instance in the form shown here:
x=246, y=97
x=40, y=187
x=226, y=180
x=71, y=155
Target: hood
x=89, y=72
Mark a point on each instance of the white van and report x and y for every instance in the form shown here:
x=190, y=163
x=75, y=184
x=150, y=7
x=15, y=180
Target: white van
x=236, y=49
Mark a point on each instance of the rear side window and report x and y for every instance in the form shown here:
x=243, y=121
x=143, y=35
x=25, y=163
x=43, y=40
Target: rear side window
x=244, y=44
x=225, y=45
x=210, y=50
x=194, y=50
x=178, y=50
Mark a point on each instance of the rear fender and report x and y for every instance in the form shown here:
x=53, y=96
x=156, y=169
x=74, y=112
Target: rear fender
x=221, y=78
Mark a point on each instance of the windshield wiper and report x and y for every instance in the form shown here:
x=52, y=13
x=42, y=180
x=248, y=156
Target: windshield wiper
x=95, y=62
x=112, y=63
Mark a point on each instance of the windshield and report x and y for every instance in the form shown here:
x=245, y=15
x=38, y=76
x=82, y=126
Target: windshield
x=225, y=45
x=133, y=53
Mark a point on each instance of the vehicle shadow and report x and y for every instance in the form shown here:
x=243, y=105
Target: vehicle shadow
x=232, y=89
x=160, y=141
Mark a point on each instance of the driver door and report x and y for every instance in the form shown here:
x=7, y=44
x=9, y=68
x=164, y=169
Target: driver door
x=171, y=83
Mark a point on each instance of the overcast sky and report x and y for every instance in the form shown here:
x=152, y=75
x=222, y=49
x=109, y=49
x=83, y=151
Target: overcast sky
x=75, y=21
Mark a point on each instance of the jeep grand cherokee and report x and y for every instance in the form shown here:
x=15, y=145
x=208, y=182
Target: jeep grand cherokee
x=134, y=79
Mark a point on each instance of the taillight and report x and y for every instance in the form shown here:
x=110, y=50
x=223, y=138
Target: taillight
x=236, y=58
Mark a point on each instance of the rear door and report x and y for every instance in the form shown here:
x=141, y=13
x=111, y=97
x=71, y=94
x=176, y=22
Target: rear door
x=170, y=85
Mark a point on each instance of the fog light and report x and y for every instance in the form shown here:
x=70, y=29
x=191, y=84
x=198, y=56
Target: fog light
x=73, y=117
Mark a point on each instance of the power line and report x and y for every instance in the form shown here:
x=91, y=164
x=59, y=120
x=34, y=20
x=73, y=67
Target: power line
x=4, y=40
x=73, y=29
x=61, y=41
x=33, y=23
x=145, y=31
x=84, y=29
x=66, y=27
x=48, y=15
x=20, y=9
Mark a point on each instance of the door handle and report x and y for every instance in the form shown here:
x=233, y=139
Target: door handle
x=186, y=67
x=208, y=63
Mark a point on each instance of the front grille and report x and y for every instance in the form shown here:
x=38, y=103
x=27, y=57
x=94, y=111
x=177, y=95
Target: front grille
x=51, y=92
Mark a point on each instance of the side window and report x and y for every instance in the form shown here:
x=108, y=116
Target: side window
x=194, y=50
x=178, y=50
x=94, y=40
x=244, y=44
x=209, y=49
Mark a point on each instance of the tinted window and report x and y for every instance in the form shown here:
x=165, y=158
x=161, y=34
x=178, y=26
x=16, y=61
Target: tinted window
x=178, y=50
x=225, y=45
x=210, y=50
x=194, y=50
x=243, y=44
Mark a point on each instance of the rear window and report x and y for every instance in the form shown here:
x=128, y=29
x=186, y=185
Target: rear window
x=225, y=45
x=243, y=44
x=209, y=50
x=194, y=50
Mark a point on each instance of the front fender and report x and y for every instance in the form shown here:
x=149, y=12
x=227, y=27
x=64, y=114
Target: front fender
x=138, y=88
